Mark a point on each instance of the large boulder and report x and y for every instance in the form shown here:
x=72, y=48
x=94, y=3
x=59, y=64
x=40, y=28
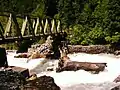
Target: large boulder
x=11, y=80
x=41, y=51
x=50, y=48
x=42, y=83
x=47, y=46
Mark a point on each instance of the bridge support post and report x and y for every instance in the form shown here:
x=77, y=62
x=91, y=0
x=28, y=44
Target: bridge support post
x=56, y=26
x=36, y=26
x=24, y=26
x=17, y=26
x=42, y=26
x=31, y=26
x=45, y=28
x=8, y=26
x=1, y=31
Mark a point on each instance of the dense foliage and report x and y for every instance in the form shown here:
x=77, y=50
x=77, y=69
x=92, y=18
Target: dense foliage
x=89, y=21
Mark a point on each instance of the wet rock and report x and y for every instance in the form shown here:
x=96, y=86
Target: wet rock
x=31, y=50
x=117, y=79
x=41, y=51
x=35, y=46
x=32, y=77
x=42, y=83
x=117, y=52
x=11, y=80
x=116, y=88
x=51, y=46
x=36, y=54
x=50, y=69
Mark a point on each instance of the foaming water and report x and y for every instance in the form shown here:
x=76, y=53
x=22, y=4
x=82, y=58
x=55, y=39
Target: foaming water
x=81, y=78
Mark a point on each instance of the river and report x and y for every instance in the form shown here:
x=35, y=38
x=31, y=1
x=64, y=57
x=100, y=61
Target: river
x=74, y=80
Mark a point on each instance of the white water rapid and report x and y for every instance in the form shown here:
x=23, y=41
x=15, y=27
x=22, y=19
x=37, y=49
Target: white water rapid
x=75, y=80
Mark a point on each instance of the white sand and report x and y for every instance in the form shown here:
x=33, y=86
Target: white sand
x=71, y=78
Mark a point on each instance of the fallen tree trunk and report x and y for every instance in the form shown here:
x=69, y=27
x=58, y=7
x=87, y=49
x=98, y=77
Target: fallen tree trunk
x=67, y=65
x=91, y=49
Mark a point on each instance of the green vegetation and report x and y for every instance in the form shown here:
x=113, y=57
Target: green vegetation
x=89, y=21
x=92, y=21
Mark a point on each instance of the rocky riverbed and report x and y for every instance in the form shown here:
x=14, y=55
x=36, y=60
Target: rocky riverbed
x=74, y=80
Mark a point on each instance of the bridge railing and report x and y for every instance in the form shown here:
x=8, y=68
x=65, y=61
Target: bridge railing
x=29, y=28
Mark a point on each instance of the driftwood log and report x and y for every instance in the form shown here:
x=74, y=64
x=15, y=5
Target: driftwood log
x=91, y=49
x=65, y=64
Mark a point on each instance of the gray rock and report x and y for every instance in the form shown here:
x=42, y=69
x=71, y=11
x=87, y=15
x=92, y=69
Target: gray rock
x=117, y=52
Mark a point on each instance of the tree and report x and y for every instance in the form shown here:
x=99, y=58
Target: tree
x=51, y=8
x=66, y=12
x=114, y=25
x=18, y=6
x=92, y=21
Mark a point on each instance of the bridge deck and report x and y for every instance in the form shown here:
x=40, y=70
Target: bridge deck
x=27, y=37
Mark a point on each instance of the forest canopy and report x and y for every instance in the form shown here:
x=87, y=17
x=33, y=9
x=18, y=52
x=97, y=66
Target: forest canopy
x=89, y=21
